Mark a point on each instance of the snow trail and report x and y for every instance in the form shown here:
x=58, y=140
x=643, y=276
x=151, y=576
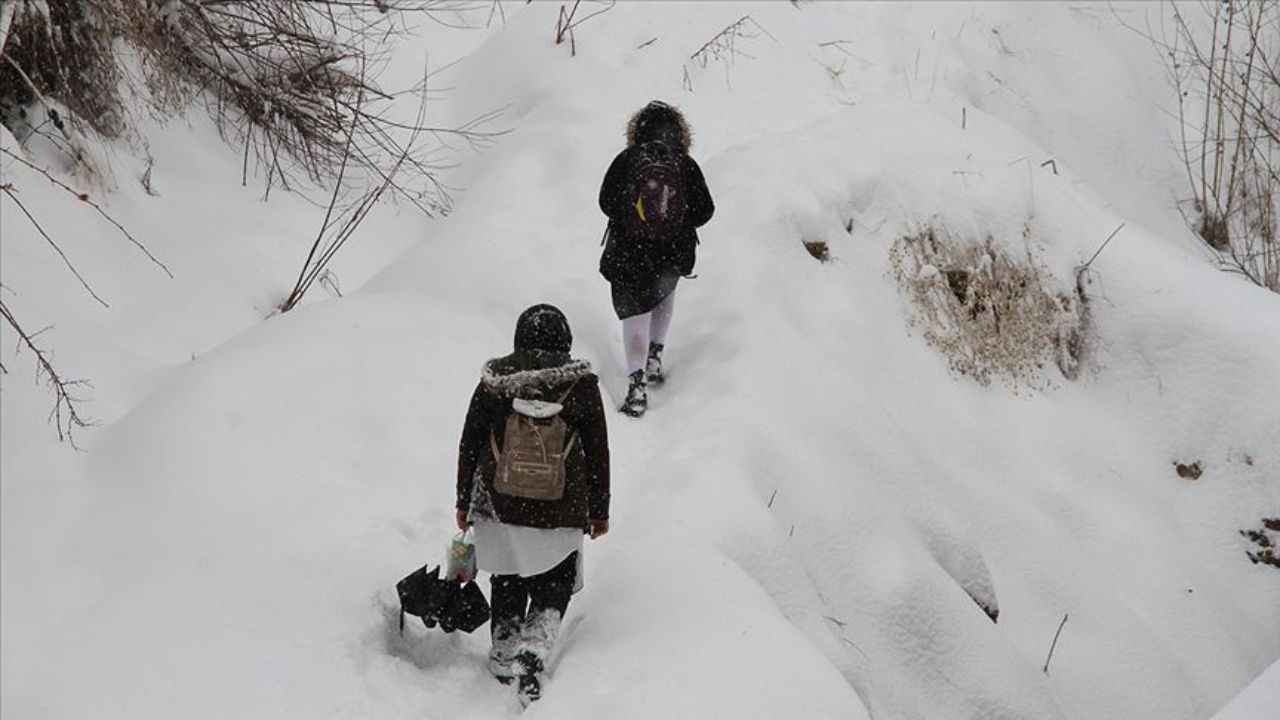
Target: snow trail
x=807, y=518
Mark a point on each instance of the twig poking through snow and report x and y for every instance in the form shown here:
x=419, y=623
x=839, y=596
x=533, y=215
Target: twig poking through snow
x=1055, y=643
x=1102, y=247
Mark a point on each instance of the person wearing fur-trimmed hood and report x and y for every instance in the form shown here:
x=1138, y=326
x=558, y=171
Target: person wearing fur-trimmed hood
x=643, y=260
x=530, y=542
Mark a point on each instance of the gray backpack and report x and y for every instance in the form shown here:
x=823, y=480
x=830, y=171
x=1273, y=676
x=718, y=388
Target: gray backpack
x=534, y=447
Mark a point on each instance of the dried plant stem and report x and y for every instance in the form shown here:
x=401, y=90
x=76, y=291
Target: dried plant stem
x=723, y=46
x=565, y=23
x=1055, y=643
x=1101, y=247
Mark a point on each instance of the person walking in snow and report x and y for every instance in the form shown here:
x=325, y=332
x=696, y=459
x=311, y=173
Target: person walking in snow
x=656, y=198
x=533, y=477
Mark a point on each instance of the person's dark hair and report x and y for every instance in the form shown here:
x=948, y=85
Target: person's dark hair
x=543, y=327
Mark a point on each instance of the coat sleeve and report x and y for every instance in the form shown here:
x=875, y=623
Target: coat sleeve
x=700, y=206
x=594, y=434
x=475, y=440
x=613, y=191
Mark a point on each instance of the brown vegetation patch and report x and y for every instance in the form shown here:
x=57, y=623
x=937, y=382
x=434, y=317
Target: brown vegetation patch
x=993, y=316
x=1264, y=539
x=819, y=250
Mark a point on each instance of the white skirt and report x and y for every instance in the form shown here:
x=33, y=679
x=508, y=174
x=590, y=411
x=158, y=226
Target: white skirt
x=503, y=549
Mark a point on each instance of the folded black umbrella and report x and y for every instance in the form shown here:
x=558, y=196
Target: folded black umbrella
x=425, y=595
x=466, y=611
x=441, y=601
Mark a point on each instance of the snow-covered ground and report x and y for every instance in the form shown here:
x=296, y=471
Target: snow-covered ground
x=804, y=518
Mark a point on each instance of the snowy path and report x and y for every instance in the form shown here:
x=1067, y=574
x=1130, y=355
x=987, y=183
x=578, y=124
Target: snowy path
x=805, y=518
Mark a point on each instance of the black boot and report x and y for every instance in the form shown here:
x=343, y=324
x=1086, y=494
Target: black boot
x=637, y=396
x=653, y=366
x=530, y=688
x=502, y=654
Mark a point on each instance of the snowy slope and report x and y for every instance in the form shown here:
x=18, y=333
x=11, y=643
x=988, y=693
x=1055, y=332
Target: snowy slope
x=1258, y=701
x=799, y=523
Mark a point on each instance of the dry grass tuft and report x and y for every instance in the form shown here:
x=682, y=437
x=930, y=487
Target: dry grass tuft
x=989, y=314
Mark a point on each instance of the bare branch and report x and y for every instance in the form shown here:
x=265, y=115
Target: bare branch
x=65, y=414
x=84, y=197
x=8, y=189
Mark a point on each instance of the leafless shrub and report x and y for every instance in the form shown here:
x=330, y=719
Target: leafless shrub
x=723, y=46
x=340, y=222
x=292, y=77
x=63, y=50
x=990, y=315
x=282, y=78
x=59, y=75
x=1228, y=82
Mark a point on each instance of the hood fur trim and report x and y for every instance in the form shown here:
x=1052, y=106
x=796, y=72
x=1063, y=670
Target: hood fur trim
x=671, y=113
x=524, y=383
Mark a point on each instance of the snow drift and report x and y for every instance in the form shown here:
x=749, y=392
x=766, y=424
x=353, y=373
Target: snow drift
x=817, y=518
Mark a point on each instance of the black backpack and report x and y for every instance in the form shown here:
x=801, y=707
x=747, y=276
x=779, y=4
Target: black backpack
x=656, y=192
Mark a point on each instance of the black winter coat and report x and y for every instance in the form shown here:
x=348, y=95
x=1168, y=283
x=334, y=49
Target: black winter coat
x=536, y=376
x=630, y=260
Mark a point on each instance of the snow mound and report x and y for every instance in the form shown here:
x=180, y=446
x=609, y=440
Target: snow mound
x=817, y=518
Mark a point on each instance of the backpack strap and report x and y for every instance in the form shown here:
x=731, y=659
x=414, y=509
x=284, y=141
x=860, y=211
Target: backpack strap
x=573, y=436
x=565, y=396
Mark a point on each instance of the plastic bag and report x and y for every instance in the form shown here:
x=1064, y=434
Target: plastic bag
x=461, y=564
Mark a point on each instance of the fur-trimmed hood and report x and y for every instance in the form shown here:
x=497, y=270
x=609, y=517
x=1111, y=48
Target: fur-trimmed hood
x=660, y=121
x=508, y=380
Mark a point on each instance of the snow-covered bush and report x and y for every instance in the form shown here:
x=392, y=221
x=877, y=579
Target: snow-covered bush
x=991, y=315
x=1224, y=62
x=60, y=76
x=59, y=49
x=284, y=79
x=290, y=82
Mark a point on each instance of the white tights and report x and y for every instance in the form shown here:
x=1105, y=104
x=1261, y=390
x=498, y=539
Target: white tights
x=640, y=330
